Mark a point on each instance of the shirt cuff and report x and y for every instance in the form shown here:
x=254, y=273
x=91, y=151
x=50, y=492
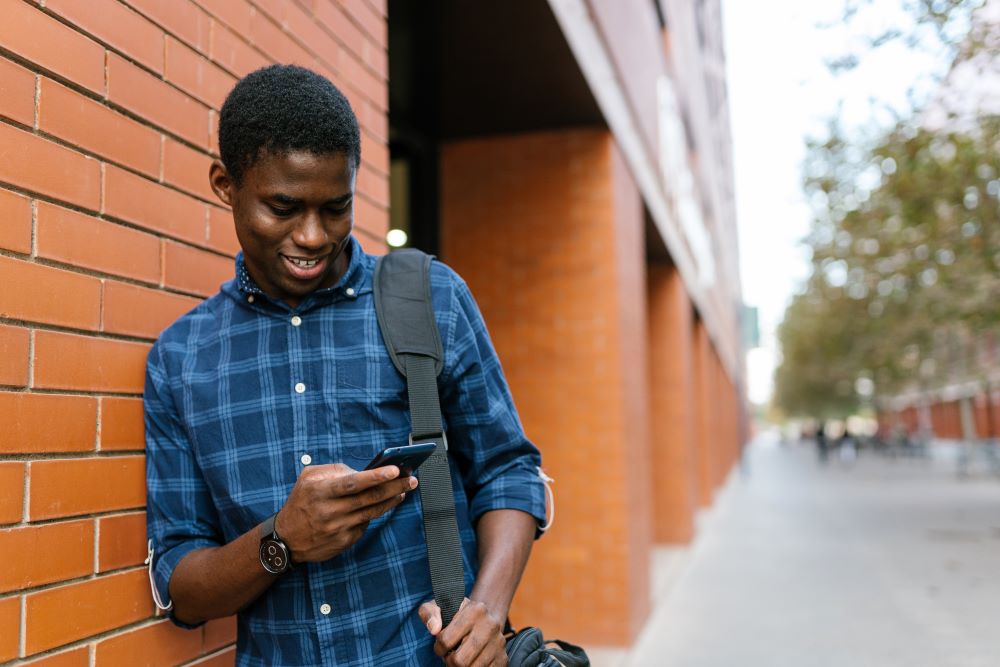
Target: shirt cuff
x=517, y=489
x=163, y=569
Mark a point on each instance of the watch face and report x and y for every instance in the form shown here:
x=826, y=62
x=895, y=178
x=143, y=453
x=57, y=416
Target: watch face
x=274, y=556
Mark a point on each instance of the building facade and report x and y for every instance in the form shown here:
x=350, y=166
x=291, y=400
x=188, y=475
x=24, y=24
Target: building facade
x=570, y=158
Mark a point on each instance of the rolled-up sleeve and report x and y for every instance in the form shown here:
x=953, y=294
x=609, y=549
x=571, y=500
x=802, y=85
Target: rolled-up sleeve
x=499, y=465
x=180, y=514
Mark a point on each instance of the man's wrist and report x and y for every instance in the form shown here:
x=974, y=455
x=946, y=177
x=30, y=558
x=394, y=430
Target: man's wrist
x=495, y=604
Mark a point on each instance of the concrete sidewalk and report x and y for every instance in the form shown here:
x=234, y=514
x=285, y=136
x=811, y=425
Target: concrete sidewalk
x=878, y=563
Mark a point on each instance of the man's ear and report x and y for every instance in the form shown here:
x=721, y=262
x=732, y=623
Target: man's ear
x=221, y=182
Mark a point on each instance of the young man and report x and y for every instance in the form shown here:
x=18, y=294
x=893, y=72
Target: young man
x=264, y=403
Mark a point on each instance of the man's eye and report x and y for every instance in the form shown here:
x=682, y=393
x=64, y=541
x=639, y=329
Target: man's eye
x=281, y=212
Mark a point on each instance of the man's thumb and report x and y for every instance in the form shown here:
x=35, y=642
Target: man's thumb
x=430, y=614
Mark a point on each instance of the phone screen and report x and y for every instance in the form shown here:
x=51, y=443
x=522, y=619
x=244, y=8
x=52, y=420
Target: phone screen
x=407, y=458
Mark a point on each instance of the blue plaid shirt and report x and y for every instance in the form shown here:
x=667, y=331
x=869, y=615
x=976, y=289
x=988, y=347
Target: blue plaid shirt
x=244, y=391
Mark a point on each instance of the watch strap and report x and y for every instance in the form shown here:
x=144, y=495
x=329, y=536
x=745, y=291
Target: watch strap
x=267, y=528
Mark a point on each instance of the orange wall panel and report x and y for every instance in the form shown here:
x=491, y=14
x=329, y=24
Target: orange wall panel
x=547, y=229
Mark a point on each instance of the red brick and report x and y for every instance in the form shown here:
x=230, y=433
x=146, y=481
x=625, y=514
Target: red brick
x=17, y=93
x=10, y=626
x=96, y=128
x=348, y=33
x=309, y=32
x=15, y=218
x=97, y=605
x=42, y=166
x=155, y=100
x=11, y=494
x=358, y=79
x=377, y=60
x=68, y=361
x=69, y=487
x=116, y=25
x=75, y=657
x=122, y=543
x=375, y=153
x=192, y=270
x=197, y=75
x=45, y=41
x=233, y=52
x=14, y=352
x=219, y=632
x=43, y=294
x=187, y=169
x=121, y=424
x=373, y=23
x=161, y=644
x=82, y=240
x=180, y=17
x=137, y=311
x=276, y=43
x=30, y=429
x=225, y=659
x=373, y=184
x=222, y=231
x=213, y=132
x=150, y=205
x=37, y=555
x=371, y=218
x=276, y=9
x=234, y=13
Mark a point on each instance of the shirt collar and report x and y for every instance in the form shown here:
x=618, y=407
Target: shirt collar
x=350, y=283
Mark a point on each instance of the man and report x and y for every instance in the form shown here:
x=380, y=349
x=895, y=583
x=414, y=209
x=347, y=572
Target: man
x=264, y=403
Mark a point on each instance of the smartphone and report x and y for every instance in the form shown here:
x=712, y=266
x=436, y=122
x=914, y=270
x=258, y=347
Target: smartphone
x=407, y=458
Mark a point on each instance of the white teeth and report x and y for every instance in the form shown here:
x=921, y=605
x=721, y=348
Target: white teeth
x=304, y=263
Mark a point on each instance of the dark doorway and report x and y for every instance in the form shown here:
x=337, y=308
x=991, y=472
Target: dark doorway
x=461, y=69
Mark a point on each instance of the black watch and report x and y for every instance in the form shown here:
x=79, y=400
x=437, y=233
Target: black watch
x=274, y=555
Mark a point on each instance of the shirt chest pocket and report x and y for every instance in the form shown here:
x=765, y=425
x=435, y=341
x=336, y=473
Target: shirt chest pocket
x=370, y=406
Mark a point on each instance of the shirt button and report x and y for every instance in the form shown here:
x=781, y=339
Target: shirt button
x=250, y=299
x=324, y=609
x=350, y=291
x=300, y=388
x=306, y=459
x=296, y=320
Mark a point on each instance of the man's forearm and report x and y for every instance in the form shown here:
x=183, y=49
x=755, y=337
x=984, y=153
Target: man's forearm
x=219, y=581
x=505, y=538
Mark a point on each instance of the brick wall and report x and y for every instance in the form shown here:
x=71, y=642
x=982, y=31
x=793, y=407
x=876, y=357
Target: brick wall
x=108, y=232
x=673, y=407
x=547, y=229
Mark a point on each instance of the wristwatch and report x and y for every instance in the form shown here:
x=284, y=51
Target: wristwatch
x=274, y=554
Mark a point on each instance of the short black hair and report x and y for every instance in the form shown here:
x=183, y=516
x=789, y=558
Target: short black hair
x=283, y=108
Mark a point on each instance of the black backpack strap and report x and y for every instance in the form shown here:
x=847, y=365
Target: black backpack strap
x=405, y=313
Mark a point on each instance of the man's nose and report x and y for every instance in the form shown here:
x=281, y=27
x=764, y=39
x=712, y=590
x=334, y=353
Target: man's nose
x=310, y=233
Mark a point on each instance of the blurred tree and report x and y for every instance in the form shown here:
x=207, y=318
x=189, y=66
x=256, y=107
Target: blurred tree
x=905, y=283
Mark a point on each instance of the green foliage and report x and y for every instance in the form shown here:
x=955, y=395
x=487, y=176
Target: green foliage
x=906, y=266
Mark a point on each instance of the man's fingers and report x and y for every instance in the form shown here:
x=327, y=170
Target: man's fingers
x=430, y=614
x=372, y=512
x=367, y=500
x=452, y=636
x=355, y=482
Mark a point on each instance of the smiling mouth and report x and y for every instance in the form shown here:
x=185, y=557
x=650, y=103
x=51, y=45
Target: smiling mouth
x=306, y=269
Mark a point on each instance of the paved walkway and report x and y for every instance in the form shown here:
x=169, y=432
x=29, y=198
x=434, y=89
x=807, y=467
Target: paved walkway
x=881, y=563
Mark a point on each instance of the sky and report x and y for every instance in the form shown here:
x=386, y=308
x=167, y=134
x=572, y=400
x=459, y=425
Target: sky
x=780, y=93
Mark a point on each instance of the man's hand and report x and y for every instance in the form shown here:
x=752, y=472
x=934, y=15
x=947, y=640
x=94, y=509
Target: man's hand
x=330, y=506
x=474, y=637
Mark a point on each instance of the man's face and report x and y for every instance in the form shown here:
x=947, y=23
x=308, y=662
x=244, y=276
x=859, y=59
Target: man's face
x=294, y=214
